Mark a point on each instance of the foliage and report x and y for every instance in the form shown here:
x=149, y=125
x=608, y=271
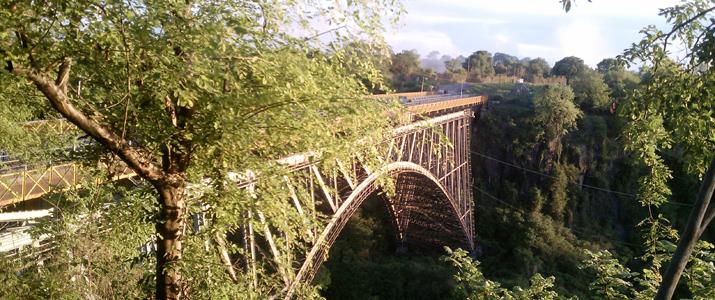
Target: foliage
x=674, y=106
x=619, y=80
x=673, y=111
x=454, y=65
x=405, y=68
x=508, y=65
x=471, y=283
x=590, y=91
x=542, y=222
x=609, y=64
x=563, y=175
x=569, y=67
x=188, y=92
x=363, y=263
x=615, y=281
x=90, y=260
x=555, y=111
x=479, y=64
x=538, y=67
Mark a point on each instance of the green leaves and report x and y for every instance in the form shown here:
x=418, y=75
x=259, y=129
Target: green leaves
x=471, y=283
x=674, y=106
x=613, y=280
x=590, y=90
x=220, y=86
x=555, y=111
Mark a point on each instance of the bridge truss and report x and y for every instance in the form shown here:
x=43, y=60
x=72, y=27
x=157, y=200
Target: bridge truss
x=431, y=204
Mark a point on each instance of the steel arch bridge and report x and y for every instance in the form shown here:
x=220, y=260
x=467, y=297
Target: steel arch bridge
x=428, y=161
x=432, y=205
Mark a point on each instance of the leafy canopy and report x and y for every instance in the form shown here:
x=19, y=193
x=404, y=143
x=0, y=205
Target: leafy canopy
x=218, y=86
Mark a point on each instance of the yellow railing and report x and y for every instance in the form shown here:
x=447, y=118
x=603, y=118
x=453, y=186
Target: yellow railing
x=446, y=105
x=23, y=185
x=56, y=126
x=406, y=95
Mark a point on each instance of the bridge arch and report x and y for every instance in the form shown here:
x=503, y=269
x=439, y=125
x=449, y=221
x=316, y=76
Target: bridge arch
x=362, y=191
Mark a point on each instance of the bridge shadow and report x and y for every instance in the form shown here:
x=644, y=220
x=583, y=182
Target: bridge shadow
x=369, y=260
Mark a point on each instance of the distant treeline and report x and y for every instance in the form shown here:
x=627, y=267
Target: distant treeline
x=409, y=72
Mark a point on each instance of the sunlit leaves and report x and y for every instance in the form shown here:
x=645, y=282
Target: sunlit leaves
x=556, y=111
x=471, y=283
x=616, y=281
x=234, y=85
x=674, y=107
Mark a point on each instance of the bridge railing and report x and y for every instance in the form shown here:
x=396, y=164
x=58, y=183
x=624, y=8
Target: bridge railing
x=456, y=103
x=435, y=98
x=27, y=184
x=55, y=126
x=404, y=95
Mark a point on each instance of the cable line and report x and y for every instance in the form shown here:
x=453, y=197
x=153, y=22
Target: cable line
x=576, y=183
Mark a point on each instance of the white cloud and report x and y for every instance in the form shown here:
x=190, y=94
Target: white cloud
x=629, y=8
x=433, y=19
x=424, y=42
x=535, y=50
x=502, y=38
x=533, y=28
x=585, y=40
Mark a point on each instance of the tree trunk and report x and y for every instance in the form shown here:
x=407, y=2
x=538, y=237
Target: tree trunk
x=690, y=236
x=170, y=230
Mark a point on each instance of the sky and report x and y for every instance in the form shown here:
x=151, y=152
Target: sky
x=525, y=28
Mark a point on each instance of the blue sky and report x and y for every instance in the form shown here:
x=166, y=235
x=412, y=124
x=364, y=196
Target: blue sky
x=533, y=28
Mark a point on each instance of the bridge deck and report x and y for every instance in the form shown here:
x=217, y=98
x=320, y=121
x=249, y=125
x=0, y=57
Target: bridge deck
x=22, y=183
x=430, y=105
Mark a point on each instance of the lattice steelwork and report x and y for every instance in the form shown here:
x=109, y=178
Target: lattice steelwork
x=432, y=205
x=27, y=184
x=57, y=126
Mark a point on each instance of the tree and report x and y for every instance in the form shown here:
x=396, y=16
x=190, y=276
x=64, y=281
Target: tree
x=590, y=91
x=504, y=58
x=434, y=61
x=405, y=63
x=569, y=67
x=674, y=109
x=555, y=112
x=620, y=81
x=405, y=68
x=504, y=63
x=479, y=64
x=454, y=65
x=538, y=67
x=186, y=92
x=609, y=64
x=518, y=69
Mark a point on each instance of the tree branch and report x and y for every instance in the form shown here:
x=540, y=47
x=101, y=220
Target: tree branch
x=706, y=193
x=683, y=24
x=111, y=141
x=690, y=236
x=63, y=75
